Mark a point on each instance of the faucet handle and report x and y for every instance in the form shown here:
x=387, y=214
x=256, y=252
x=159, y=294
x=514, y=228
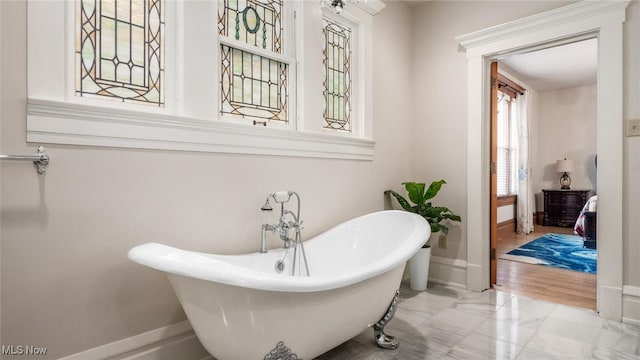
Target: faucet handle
x=293, y=225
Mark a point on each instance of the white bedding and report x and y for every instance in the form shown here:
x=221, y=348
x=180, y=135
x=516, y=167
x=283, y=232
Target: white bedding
x=590, y=206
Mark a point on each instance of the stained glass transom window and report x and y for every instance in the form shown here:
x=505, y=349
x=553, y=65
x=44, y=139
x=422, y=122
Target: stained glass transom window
x=336, y=55
x=254, y=22
x=253, y=84
x=120, y=50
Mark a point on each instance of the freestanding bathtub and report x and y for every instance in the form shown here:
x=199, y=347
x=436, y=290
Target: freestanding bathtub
x=241, y=308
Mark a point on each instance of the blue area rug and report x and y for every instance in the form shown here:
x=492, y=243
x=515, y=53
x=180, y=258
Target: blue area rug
x=556, y=250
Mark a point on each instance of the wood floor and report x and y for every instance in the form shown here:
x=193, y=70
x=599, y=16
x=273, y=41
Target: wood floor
x=542, y=282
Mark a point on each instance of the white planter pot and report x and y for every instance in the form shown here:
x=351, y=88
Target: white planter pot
x=419, y=269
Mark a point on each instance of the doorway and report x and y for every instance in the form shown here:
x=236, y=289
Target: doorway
x=559, y=26
x=556, y=88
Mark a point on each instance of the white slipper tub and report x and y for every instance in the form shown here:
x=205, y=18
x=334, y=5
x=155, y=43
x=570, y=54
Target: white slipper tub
x=241, y=308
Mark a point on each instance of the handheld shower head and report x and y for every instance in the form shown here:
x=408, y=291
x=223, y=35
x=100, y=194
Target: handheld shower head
x=266, y=206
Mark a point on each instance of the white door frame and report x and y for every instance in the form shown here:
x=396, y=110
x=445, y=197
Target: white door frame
x=601, y=19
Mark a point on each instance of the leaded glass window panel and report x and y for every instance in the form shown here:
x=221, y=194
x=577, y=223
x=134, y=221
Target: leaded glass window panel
x=253, y=83
x=336, y=54
x=120, y=50
x=254, y=22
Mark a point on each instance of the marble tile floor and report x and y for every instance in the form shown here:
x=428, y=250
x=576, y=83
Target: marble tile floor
x=450, y=323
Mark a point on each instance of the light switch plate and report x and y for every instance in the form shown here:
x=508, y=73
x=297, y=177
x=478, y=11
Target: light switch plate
x=633, y=127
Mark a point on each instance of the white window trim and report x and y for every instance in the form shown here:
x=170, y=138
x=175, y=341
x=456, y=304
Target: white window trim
x=54, y=117
x=287, y=57
x=511, y=172
x=357, y=73
x=78, y=124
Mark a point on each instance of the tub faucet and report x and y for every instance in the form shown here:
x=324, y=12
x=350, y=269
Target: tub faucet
x=283, y=227
x=263, y=238
x=288, y=221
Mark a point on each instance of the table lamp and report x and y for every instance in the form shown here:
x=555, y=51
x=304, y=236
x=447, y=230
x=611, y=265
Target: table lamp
x=565, y=166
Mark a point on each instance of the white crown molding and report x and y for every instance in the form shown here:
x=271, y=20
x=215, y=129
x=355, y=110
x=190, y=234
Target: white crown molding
x=372, y=7
x=541, y=21
x=78, y=124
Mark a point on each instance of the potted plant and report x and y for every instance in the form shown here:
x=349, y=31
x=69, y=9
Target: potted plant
x=419, y=195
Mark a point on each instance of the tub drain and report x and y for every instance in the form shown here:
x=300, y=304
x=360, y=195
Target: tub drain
x=279, y=266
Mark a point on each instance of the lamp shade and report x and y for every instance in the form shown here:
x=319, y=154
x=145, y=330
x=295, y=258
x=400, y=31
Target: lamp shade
x=564, y=165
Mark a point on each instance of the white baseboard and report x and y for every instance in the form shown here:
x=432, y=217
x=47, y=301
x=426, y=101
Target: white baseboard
x=610, y=302
x=631, y=304
x=446, y=271
x=177, y=341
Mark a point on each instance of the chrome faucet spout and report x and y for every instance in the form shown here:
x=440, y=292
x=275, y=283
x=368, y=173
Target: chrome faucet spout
x=263, y=238
x=283, y=227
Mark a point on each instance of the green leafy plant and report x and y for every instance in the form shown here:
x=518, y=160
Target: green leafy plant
x=419, y=195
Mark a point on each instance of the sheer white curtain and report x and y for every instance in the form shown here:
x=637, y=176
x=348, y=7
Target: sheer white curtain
x=524, y=211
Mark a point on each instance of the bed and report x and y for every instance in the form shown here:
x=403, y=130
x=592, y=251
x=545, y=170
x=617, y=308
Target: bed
x=586, y=223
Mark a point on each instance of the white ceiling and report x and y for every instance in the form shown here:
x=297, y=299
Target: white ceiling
x=556, y=68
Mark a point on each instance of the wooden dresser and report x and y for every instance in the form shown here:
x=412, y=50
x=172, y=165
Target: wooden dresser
x=562, y=207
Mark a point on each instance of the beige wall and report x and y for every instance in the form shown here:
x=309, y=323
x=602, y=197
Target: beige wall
x=506, y=213
x=631, y=161
x=1, y=113
x=566, y=128
x=66, y=281
x=440, y=100
x=440, y=95
x=565, y=118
